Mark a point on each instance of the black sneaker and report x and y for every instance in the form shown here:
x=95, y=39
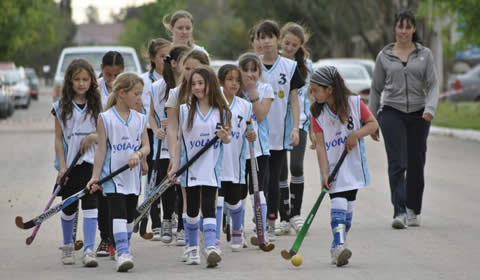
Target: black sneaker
x=102, y=249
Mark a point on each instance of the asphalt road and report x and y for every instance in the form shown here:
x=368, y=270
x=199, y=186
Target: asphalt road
x=446, y=246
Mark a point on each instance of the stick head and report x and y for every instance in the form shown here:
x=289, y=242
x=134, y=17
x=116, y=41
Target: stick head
x=19, y=222
x=147, y=236
x=267, y=247
x=29, y=240
x=286, y=254
x=78, y=245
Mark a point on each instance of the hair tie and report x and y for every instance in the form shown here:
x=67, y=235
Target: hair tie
x=167, y=59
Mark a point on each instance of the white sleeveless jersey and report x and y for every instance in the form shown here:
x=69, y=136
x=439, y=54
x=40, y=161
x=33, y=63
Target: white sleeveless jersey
x=200, y=48
x=303, y=101
x=123, y=139
x=353, y=174
x=158, y=96
x=261, y=145
x=206, y=171
x=234, y=153
x=75, y=129
x=280, y=115
x=147, y=78
x=103, y=92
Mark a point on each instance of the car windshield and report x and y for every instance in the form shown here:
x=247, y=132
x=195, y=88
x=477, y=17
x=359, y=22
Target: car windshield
x=95, y=60
x=352, y=73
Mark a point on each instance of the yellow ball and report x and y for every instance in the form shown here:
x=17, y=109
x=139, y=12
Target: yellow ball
x=297, y=260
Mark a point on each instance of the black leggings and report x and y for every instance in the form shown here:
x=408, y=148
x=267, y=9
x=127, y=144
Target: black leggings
x=208, y=195
x=348, y=195
x=262, y=173
x=77, y=180
x=150, y=155
x=233, y=193
x=277, y=160
x=104, y=220
x=122, y=206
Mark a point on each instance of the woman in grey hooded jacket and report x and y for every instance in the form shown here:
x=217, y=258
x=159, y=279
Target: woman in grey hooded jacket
x=404, y=94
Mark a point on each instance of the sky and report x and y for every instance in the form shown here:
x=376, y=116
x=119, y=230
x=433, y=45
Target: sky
x=105, y=7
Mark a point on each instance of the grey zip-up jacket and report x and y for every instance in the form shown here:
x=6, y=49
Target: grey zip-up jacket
x=406, y=88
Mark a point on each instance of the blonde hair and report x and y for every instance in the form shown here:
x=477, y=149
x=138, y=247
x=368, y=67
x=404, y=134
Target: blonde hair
x=173, y=19
x=125, y=81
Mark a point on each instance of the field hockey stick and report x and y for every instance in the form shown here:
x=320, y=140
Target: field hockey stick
x=228, y=228
x=65, y=203
x=57, y=188
x=259, y=240
x=301, y=235
x=151, y=184
x=77, y=244
x=158, y=190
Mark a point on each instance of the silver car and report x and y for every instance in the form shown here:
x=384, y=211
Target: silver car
x=465, y=87
x=7, y=105
x=18, y=82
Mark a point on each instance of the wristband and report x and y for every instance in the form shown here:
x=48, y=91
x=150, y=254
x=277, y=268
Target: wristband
x=255, y=100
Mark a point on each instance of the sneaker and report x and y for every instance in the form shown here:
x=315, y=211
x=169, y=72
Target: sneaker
x=218, y=246
x=102, y=249
x=340, y=255
x=111, y=251
x=185, y=254
x=413, y=220
x=297, y=222
x=166, y=231
x=180, y=238
x=67, y=254
x=283, y=228
x=157, y=234
x=400, y=222
x=271, y=232
x=213, y=257
x=89, y=259
x=193, y=257
x=124, y=263
x=237, y=240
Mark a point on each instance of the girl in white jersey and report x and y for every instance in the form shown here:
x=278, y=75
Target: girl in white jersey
x=261, y=96
x=340, y=121
x=293, y=39
x=122, y=138
x=180, y=26
x=158, y=122
x=176, y=96
x=234, y=189
x=158, y=49
x=200, y=118
x=76, y=114
x=282, y=74
x=112, y=65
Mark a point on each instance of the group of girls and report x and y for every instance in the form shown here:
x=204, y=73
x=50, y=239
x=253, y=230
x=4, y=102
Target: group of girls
x=175, y=109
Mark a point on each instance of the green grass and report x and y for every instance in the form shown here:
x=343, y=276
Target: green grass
x=458, y=115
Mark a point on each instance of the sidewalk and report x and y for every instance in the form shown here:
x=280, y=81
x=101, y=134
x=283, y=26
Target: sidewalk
x=464, y=134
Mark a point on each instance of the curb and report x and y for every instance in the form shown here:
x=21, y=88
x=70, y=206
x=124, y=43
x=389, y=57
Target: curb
x=464, y=134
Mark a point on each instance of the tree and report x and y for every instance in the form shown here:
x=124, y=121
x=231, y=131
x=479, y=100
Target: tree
x=92, y=14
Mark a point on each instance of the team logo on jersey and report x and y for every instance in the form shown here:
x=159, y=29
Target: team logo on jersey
x=335, y=142
x=125, y=147
x=281, y=94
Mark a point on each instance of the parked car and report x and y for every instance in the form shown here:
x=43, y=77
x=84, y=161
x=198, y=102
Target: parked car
x=32, y=82
x=7, y=103
x=94, y=55
x=465, y=87
x=367, y=63
x=356, y=76
x=18, y=82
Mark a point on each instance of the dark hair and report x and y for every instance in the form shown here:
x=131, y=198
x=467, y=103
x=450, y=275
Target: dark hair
x=173, y=19
x=302, y=54
x=176, y=53
x=246, y=58
x=410, y=17
x=269, y=28
x=223, y=72
x=215, y=96
x=340, y=96
x=112, y=58
x=153, y=46
x=193, y=54
x=92, y=95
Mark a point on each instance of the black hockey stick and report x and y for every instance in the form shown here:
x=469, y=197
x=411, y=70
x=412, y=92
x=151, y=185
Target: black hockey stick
x=65, y=203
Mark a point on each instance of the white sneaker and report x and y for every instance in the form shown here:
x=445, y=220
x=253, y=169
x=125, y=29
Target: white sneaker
x=157, y=234
x=400, y=222
x=271, y=232
x=297, y=222
x=193, y=256
x=283, y=228
x=124, y=262
x=166, y=231
x=185, y=254
x=213, y=257
x=413, y=219
x=180, y=238
x=340, y=255
x=67, y=254
x=89, y=259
